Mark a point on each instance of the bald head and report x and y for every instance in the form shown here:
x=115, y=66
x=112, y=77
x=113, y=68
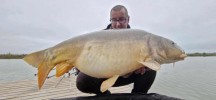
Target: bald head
x=119, y=8
x=119, y=17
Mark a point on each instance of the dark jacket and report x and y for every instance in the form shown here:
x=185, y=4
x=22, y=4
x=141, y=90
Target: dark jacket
x=109, y=27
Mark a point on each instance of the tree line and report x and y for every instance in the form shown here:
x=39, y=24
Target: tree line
x=202, y=54
x=11, y=56
x=20, y=56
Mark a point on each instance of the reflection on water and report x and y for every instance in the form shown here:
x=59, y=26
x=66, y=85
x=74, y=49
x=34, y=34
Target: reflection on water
x=15, y=69
x=191, y=79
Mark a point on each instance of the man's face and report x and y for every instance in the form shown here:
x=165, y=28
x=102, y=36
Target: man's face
x=119, y=19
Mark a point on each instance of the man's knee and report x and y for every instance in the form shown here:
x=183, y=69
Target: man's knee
x=88, y=84
x=143, y=82
x=151, y=74
x=83, y=83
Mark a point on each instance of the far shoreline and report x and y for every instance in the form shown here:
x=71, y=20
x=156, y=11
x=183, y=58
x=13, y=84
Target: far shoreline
x=12, y=56
x=20, y=56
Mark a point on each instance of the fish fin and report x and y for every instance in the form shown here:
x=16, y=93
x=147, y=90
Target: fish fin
x=62, y=68
x=151, y=64
x=35, y=58
x=108, y=83
x=43, y=71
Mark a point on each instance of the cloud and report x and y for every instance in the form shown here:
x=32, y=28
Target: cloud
x=31, y=25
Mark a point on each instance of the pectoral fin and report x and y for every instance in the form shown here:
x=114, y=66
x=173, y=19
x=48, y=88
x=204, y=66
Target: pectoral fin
x=108, y=83
x=151, y=64
x=62, y=68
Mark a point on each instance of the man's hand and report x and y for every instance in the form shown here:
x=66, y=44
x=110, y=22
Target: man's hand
x=142, y=70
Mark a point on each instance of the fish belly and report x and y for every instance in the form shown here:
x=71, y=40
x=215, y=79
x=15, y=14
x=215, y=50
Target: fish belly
x=104, y=60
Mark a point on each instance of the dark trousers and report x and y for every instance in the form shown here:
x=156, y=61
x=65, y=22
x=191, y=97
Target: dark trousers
x=142, y=83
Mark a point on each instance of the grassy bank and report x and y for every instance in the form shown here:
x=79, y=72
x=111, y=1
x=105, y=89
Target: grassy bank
x=201, y=54
x=11, y=56
x=20, y=56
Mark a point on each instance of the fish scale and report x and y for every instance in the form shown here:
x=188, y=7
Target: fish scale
x=106, y=54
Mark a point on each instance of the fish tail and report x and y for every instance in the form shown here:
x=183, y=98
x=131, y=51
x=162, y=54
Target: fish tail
x=35, y=58
x=63, y=68
x=43, y=71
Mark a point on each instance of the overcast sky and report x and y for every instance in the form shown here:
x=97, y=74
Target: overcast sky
x=31, y=25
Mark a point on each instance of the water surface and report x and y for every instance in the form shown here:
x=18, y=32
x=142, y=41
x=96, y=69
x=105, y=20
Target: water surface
x=191, y=79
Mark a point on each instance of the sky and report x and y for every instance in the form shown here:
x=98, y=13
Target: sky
x=31, y=25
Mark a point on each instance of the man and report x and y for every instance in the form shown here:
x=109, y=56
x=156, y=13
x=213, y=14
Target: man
x=119, y=18
x=142, y=78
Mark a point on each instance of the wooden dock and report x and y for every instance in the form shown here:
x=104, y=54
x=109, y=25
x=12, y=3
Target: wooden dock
x=52, y=89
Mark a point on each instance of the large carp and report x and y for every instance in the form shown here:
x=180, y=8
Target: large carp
x=106, y=54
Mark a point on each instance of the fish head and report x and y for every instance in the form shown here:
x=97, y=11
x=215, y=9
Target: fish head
x=169, y=51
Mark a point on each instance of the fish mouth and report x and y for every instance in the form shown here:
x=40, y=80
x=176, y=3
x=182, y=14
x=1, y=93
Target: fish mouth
x=182, y=56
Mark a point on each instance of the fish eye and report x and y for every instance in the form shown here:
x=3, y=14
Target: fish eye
x=173, y=43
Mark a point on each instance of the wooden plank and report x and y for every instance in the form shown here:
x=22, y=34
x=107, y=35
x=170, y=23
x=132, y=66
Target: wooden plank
x=29, y=89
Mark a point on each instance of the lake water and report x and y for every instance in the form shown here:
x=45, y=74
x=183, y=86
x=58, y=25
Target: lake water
x=191, y=79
